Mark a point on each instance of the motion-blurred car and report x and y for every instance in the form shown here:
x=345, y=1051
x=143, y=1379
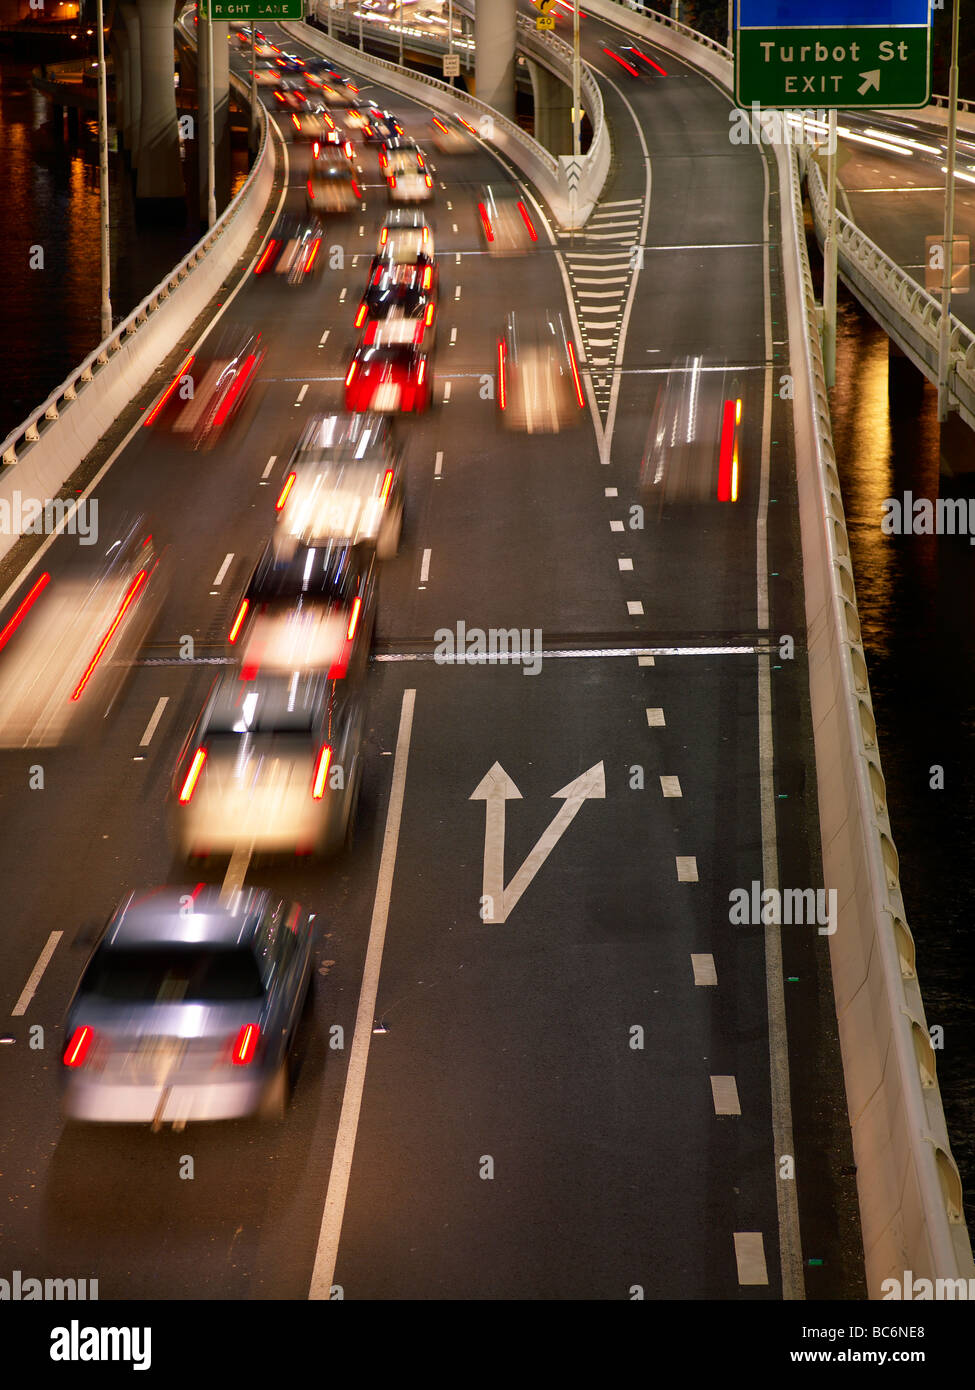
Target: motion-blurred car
x=337, y=91
x=209, y=390
x=188, y=1009
x=312, y=608
x=506, y=223
x=692, y=447
x=539, y=389
x=452, y=135
x=352, y=491
x=380, y=126
x=290, y=95
x=399, y=306
x=293, y=250
x=272, y=764
x=311, y=125
x=268, y=75
x=400, y=144
x=390, y=378
x=67, y=644
x=638, y=59
x=407, y=177
x=406, y=238
x=332, y=185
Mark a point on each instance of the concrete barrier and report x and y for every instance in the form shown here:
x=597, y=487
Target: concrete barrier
x=910, y=1192
x=43, y=452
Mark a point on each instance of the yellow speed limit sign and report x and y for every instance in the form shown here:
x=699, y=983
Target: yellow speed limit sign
x=545, y=22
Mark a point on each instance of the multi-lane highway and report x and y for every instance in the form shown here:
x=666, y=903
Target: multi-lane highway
x=597, y=1096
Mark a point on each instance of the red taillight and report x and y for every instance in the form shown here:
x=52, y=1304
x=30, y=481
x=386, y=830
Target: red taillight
x=236, y=388
x=23, y=608
x=392, y=180
x=241, y=615
x=426, y=235
x=429, y=317
x=501, y=394
x=575, y=375
x=422, y=372
x=245, y=1045
x=285, y=492
x=360, y=317
x=193, y=775
x=351, y=374
x=387, y=484
x=428, y=180
x=262, y=263
x=169, y=390
x=622, y=61
x=132, y=594
x=428, y=277
x=354, y=620
x=440, y=126
x=77, y=1049
x=348, y=149
x=315, y=149
x=316, y=246
x=356, y=189
x=727, y=451
x=527, y=221
x=488, y=229
x=295, y=121
x=384, y=236
x=321, y=772
x=311, y=191
x=639, y=54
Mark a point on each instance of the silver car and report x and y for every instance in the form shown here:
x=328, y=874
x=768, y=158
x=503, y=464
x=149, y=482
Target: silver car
x=188, y=1009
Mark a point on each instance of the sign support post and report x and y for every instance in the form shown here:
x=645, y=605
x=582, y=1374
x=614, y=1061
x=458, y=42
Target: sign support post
x=944, y=335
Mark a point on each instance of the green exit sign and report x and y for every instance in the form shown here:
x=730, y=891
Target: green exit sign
x=227, y=11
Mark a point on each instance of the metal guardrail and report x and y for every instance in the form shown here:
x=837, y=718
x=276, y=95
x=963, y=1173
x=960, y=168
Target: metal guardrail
x=903, y=308
x=73, y=388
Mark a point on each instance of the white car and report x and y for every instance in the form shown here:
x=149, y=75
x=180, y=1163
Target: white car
x=407, y=178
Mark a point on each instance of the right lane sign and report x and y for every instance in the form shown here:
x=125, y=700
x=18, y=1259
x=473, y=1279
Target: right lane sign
x=859, y=53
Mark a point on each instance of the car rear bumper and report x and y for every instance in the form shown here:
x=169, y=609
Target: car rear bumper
x=115, y=1102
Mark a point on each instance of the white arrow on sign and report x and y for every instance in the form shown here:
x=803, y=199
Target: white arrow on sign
x=870, y=79
x=495, y=788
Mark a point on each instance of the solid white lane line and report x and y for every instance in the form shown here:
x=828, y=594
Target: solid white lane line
x=324, y=338
x=438, y=464
x=153, y=724
x=724, y=1092
x=655, y=718
x=670, y=786
x=34, y=979
x=634, y=607
x=704, y=971
x=223, y=569
x=750, y=1257
x=686, y=868
x=338, y=1181
x=302, y=393
x=270, y=464
x=425, y=567
x=625, y=564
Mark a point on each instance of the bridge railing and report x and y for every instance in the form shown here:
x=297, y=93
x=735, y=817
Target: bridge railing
x=45, y=449
x=904, y=309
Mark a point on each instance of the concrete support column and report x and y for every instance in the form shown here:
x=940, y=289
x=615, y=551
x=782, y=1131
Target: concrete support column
x=494, y=54
x=553, y=110
x=221, y=115
x=131, y=79
x=160, y=177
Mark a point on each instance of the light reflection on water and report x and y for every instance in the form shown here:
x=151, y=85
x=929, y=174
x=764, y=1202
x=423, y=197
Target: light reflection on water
x=916, y=596
x=52, y=315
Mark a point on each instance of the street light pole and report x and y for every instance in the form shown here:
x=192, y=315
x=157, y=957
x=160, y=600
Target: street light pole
x=211, y=171
x=254, y=122
x=944, y=335
x=399, y=12
x=731, y=25
x=830, y=259
x=106, y=308
x=576, y=84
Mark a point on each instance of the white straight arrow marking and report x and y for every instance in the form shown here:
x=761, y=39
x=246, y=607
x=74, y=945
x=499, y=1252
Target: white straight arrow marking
x=495, y=788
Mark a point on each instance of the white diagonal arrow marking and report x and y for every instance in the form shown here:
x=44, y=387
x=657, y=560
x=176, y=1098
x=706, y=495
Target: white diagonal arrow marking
x=870, y=79
x=495, y=788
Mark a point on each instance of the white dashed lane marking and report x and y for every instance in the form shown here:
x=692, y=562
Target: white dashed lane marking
x=686, y=868
x=724, y=1091
x=704, y=971
x=655, y=718
x=670, y=786
x=750, y=1257
x=634, y=607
